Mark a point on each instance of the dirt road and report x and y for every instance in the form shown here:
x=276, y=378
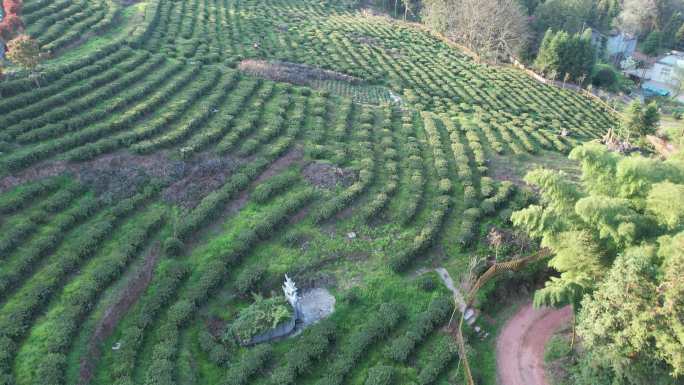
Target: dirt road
x=520, y=346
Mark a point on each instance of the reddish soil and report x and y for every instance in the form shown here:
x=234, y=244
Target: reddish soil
x=520, y=346
x=115, y=312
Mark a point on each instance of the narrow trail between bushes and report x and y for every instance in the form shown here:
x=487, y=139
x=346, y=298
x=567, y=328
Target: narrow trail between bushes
x=520, y=345
x=106, y=325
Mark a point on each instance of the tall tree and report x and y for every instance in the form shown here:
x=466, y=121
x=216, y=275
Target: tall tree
x=617, y=240
x=639, y=121
x=493, y=29
x=25, y=52
x=564, y=54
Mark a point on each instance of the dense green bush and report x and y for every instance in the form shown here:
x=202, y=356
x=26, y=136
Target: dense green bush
x=444, y=353
x=437, y=313
x=250, y=363
x=380, y=375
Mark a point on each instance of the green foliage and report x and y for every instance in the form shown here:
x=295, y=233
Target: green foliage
x=556, y=348
x=604, y=76
x=262, y=315
x=380, y=375
x=438, y=313
x=562, y=54
x=250, y=363
x=616, y=247
x=311, y=346
x=442, y=355
x=639, y=121
x=653, y=43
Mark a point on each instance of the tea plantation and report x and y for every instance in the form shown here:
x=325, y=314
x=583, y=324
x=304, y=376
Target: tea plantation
x=149, y=184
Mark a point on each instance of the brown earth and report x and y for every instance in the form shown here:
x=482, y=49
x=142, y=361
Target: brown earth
x=295, y=73
x=119, y=175
x=520, y=345
x=327, y=176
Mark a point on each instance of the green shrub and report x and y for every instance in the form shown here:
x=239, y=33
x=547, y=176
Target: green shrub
x=262, y=315
x=380, y=375
x=173, y=246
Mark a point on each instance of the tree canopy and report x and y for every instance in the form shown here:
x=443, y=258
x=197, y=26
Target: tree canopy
x=617, y=240
x=563, y=54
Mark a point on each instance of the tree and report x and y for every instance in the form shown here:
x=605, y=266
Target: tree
x=25, y=52
x=638, y=16
x=604, y=76
x=641, y=17
x=571, y=16
x=617, y=241
x=650, y=120
x=640, y=121
x=493, y=29
x=565, y=54
x=653, y=43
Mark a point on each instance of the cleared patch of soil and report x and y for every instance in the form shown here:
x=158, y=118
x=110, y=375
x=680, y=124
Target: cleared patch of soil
x=119, y=175
x=114, y=313
x=292, y=72
x=327, y=176
x=520, y=346
x=316, y=304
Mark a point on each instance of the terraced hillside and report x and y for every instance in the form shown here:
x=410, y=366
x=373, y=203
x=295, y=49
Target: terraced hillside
x=148, y=186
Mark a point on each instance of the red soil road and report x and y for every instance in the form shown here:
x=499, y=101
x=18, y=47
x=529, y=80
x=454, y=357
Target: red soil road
x=520, y=346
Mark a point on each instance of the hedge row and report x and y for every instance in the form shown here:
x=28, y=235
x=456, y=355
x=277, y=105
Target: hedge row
x=168, y=277
x=275, y=122
x=40, y=99
x=416, y=169
x=212, y=204
x=437, y=314
x=377, y=327
x=469, y=226
x=156, y=98
x=389, y=156
x=66, y=314
x=21, y=228
x=442, y=355
x=13, y=87
x=69, y=30
x=309, y=349
x=381, y=375
x=490, y=205
x=219, y=125
x=47, y=241
x=249, y=122
x=273, y=186
x=217, y=352
x=21, y=308
x=27, y=194
x=252, y=361
x=102, y=104
x=207, y=109
x=208, y=277
x=366, y=171
x=94, y=132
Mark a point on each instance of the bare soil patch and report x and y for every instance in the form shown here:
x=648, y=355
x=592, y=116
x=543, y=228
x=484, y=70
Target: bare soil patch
x=119, y=175
x=520, y=345
x=295, y=73
x=327, y=176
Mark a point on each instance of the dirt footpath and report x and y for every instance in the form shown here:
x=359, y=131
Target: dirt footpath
x=520, y=346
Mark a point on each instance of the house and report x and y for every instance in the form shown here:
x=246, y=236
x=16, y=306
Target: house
x=661, y=76
x=614, y=46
